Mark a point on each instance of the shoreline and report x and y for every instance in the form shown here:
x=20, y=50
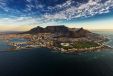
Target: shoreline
x=42, y=41
x=82, y=50
x=73, y=50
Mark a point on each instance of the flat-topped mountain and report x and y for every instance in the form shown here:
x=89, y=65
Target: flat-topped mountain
x=62, y=30
x=48, y=29
x=57, y=29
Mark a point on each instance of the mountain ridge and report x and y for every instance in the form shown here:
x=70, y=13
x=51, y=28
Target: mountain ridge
x=63, y=30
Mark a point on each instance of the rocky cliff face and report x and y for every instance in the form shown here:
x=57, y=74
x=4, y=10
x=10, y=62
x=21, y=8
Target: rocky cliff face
x=57, y=29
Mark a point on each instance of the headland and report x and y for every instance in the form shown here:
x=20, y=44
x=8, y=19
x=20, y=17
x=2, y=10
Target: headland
x=59, y=38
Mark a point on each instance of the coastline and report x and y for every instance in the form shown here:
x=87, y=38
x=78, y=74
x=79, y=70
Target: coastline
x=93, y=42
x=73, y=50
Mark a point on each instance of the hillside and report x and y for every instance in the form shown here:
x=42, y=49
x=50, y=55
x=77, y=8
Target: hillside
x=62, y=30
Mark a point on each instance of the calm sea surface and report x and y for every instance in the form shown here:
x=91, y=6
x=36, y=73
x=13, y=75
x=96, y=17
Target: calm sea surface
x=44, y=62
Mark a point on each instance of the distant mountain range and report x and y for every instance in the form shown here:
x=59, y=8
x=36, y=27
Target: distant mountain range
x=60, y=29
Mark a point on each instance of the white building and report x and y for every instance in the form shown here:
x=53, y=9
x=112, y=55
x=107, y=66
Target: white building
x=65, y=44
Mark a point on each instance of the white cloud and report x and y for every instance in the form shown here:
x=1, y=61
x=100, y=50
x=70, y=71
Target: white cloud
x=17, y=24
x=91, y=8
x=65, y=11
x=18, y=21
x=33, y=5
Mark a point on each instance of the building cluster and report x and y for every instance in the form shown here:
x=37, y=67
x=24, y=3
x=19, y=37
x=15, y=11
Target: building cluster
x=38, y=40
x=49, y=40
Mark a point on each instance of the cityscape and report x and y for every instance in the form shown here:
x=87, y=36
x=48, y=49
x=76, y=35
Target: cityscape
x=56, y=37
x=59, y=38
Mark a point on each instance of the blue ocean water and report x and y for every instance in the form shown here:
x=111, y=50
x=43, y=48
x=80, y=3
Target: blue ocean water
x=18, y=40
x=4, y=46
x=44, y=62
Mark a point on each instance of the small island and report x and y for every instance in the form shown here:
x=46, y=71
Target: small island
x=59, y=38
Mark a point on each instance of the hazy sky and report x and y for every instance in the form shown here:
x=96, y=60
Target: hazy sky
x=25, y=14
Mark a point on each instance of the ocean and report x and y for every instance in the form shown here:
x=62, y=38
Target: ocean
x=45, y=62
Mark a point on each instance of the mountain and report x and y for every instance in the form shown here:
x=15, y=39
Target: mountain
x=81, y=33
x=35, y=30
x=57, y=29
x=61, y=30
x=49, y=29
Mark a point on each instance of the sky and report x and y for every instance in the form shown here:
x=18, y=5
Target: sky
x=22, y=15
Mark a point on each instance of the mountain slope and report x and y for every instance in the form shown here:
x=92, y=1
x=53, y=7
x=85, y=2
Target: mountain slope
x=62, y=30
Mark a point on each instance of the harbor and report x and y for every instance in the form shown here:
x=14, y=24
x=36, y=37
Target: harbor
x=46, y=40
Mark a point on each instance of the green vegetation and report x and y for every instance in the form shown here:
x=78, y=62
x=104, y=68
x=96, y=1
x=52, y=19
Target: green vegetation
x=84, y=44
x=79, y=45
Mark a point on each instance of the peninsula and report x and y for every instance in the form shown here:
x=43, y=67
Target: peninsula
x=59, y=38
